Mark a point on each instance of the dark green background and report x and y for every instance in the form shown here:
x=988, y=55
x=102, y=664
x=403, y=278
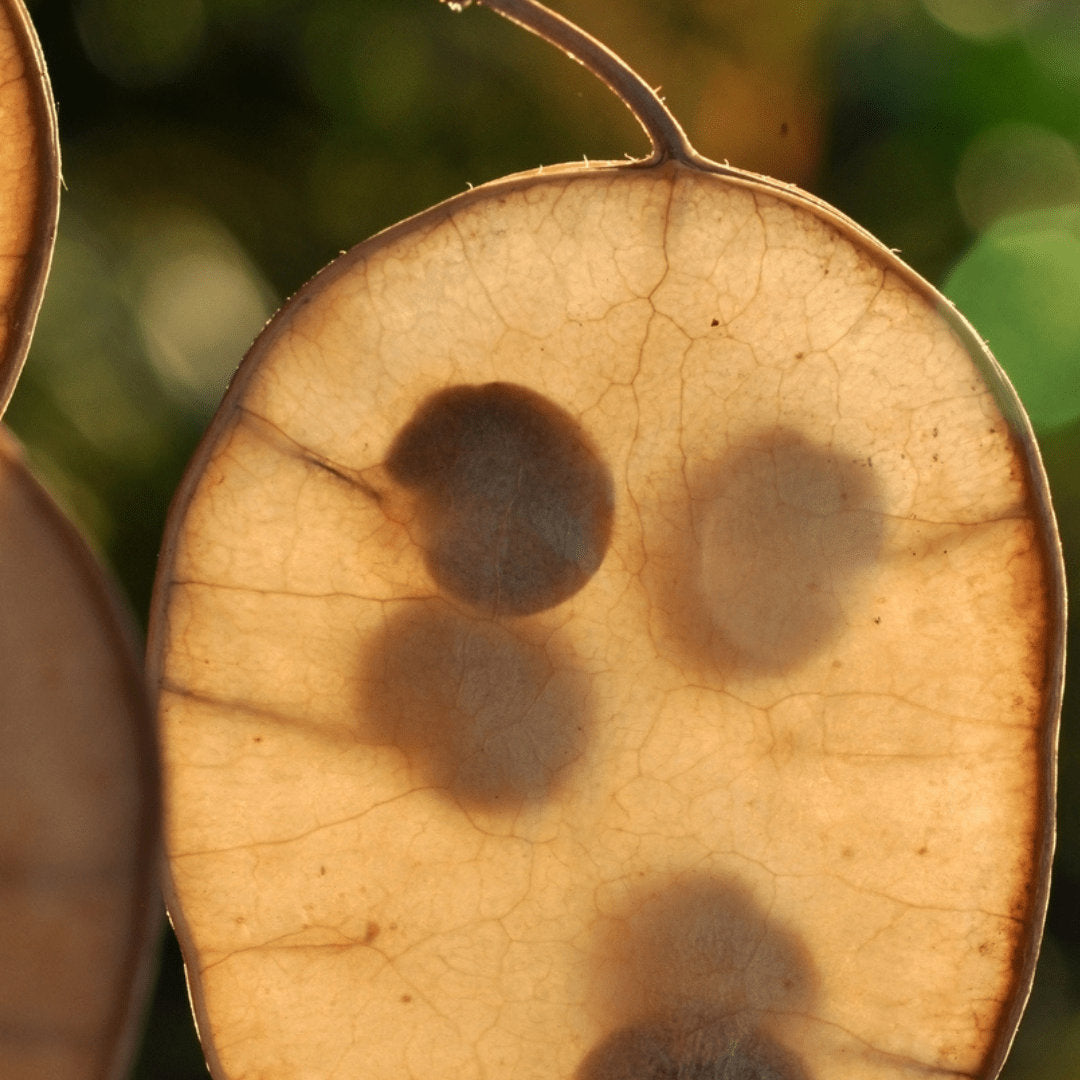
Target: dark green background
x=217, y=153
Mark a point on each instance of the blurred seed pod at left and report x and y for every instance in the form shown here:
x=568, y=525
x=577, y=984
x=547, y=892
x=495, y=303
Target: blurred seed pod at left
x=79, y=909
x=29, y=187
x=79, y=802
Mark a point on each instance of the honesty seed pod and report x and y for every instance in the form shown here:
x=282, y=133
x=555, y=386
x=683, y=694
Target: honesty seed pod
x=79, y=796
x=29, y=188
x=612, y=628
x=79, y=807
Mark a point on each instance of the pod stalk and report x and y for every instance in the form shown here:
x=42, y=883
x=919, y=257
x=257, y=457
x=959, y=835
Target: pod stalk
x=666, y=135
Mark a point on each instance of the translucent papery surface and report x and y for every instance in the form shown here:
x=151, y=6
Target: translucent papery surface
x=29, y=187
x=79, y=808
x=613, y=625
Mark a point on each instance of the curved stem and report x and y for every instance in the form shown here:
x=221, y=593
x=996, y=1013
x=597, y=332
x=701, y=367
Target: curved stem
x=667, y=137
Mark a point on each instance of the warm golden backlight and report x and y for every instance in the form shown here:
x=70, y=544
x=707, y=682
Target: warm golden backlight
x=702, y=728
x=29, y=187
x=79, y=809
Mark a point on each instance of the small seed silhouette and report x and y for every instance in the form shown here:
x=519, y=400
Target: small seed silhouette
x=579, y=544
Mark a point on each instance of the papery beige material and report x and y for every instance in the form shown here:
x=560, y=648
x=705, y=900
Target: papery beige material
x=612, y=629
x=79, y=798
x=79, y=808
x=770, y=788
x=29, y=187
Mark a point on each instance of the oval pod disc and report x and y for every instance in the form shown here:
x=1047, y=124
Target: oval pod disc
x=612, y=629
x=78, y=802
x=29, y=187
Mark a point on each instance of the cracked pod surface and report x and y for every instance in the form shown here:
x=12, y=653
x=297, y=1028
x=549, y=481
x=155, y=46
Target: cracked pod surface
x=611, y=627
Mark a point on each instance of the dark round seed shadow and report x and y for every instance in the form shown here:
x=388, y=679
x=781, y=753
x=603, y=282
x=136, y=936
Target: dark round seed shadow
x=692, y=979
x=515, y=501
x=490, y=718
x=759, y=566
x=697, y=941
x=690, y=1047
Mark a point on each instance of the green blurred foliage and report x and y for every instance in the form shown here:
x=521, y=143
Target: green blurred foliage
x=1018, y=284
x=217, y=153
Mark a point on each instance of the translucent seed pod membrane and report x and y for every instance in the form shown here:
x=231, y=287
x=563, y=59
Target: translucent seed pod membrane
x=612, y=629
x=29, y=187
x=79, y=793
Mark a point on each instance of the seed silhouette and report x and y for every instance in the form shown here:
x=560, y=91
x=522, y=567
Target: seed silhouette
x=588, y=530
x=517, y=505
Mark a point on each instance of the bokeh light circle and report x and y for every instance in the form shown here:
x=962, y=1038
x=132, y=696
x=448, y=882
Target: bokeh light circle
x=1020, y=287
x=980, y=18
x=1015, y=167
x=136, y=43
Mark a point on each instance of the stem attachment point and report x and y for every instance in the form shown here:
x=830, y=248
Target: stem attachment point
x=666, y=135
